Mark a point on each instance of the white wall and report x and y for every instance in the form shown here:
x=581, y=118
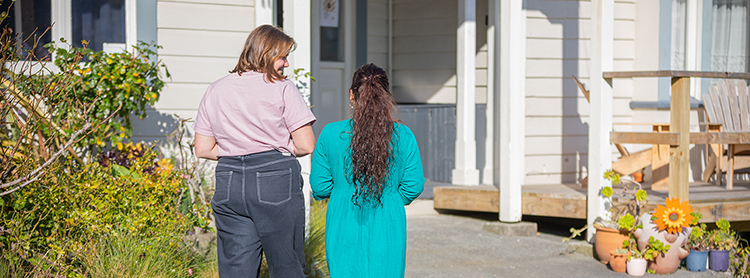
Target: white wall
x=201, y=42
x=558, y=45
x=377, y=32
x=424, y=50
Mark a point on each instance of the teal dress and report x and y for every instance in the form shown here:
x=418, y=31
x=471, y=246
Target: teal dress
x=366, y=240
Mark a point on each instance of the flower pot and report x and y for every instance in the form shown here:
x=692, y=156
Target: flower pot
x=669, y=262
x=696, y=260
x=607, y=240
x=638, y=176
x=618, y=262
x=719, y=260
x=636, y=267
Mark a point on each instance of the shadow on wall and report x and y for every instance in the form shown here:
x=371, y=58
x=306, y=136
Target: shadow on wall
x=156, y=127
x=572, y=133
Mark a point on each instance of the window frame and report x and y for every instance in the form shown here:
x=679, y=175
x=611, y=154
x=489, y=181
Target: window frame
x=62, y=17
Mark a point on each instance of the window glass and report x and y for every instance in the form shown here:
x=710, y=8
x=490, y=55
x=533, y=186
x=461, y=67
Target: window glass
x=331, y=31
x=29, y=20
x=99, y=22
x=679, y=14
x=729, y=35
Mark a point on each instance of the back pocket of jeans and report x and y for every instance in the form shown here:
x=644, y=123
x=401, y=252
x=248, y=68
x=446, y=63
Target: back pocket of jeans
x=274, y=187
x=223, y=185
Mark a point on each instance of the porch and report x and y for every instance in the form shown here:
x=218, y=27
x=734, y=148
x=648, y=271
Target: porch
x=569, y=200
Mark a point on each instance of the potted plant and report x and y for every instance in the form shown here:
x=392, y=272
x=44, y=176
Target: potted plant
x=697, y=244
x=638, y=262
x=670, y=225
x=611, y=234
x=721, y=241
x=618, y=258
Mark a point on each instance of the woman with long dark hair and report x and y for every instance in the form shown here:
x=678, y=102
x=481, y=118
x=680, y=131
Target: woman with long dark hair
x=254, y=121
x=369, y=167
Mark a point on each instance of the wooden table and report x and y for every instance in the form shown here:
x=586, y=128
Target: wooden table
x=678, y=138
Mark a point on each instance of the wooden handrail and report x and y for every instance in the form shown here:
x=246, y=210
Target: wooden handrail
x=675, y=73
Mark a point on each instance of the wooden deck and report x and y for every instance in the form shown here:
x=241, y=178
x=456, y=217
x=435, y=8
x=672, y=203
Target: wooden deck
x=569, y=200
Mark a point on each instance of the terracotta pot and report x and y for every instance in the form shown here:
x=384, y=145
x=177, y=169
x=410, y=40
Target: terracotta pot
x=637, y=267
x=638, y=176
x=669, y=262
x=607, y=240
x=618, y=262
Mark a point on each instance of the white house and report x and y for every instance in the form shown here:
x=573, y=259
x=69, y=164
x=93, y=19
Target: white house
x=504, y=66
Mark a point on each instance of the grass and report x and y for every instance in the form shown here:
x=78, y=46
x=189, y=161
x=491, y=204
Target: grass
x=134, y=256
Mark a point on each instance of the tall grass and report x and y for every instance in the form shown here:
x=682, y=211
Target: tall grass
x=135, y=256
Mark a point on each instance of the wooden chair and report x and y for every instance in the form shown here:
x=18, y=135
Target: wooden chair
x=727, y=103
x=657, y=157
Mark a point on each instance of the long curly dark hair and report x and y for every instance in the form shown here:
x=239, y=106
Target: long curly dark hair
x=371, y=134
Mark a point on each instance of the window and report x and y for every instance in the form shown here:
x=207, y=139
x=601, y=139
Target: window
x=679, y=14
x=729, y=35
x=29, y=21
x=719, y=40
x=331, y=31
x=100, y=22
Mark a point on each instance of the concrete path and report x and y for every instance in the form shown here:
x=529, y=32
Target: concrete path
x=443, y=245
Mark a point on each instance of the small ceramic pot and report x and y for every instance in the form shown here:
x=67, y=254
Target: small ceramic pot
x=637, y=267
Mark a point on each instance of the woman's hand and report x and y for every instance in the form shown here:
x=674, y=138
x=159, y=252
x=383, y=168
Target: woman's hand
x=206, y=147
x=304, y=140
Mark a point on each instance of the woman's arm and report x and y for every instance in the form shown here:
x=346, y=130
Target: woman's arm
x=304, y=140
x=321, y=177
x=206, y=147
x=412, y=183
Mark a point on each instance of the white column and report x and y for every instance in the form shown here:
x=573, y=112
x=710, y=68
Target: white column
x=131, y=24
x=297, y=21
x=488, y=173
x=62, y=18
x=511, y=107
x=466, y=172
x=600, y=121
x=264, y=12
x=693, y=39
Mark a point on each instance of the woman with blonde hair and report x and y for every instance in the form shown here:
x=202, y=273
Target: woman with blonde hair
x=255, y=122
x=369, y=167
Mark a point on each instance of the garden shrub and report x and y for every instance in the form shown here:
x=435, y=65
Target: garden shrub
x=52, y=223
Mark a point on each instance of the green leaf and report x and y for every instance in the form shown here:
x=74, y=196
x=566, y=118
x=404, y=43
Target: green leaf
x=641, y=195
x=607, y=191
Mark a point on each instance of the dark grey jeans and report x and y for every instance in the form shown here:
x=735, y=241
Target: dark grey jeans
x=259, y=207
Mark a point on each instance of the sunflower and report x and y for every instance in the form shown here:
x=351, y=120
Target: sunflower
x=674, y=216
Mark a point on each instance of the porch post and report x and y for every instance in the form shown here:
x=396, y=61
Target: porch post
x=510, y=104
x=600, y=119
x=297, y=22
x=488, y=173
x=465, y=172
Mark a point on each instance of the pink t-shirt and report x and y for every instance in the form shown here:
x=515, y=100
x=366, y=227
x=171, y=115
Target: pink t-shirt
x=248, y=115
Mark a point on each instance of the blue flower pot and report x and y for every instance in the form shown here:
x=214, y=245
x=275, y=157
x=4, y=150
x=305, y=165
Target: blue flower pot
x=719, y=260
x=696, y=260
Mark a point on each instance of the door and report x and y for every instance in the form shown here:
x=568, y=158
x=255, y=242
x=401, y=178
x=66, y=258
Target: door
x=332, y=60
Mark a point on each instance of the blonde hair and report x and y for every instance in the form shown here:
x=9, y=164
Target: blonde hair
x=263, y=47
